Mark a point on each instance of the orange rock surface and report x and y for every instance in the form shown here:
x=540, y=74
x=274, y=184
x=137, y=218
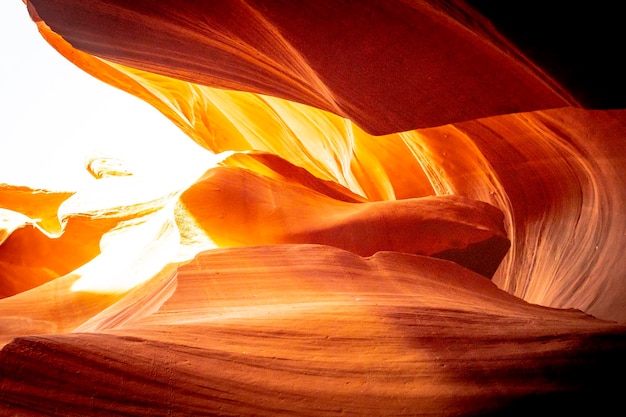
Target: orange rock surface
x=410, y=213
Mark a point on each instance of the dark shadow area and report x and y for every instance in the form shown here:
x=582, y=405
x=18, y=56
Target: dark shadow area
x=522, y=367
x=580, y=44
x=483, y=257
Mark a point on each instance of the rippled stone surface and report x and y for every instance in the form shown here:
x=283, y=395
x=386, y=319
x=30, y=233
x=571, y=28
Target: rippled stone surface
x=409, y=213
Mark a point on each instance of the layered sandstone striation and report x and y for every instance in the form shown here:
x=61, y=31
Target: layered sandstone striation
x=313, y=330
x=406, y=215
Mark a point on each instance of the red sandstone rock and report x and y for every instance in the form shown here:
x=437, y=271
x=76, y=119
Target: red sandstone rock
x=285, y=281
x=314, y=330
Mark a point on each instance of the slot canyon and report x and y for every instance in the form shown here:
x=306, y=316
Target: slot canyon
x=407, y=208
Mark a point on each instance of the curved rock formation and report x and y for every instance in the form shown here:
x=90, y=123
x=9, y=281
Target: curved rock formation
x=338, y=56
x=362, y=147
x=313, y=330
x=236, y=207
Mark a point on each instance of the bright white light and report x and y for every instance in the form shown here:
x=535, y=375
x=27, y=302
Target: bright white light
x=54, y=116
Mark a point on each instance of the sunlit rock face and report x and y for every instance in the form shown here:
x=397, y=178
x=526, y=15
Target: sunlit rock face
x=313, y=330
x=408, y=212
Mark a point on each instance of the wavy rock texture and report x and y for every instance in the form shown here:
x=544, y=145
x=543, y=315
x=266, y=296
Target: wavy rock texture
x=313, y=330
x=378, y=163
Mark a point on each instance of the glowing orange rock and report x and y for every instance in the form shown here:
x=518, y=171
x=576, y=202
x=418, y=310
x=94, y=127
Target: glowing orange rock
x=236, y=207
x=477, y=145
x=313, y=330
x=380, y=65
